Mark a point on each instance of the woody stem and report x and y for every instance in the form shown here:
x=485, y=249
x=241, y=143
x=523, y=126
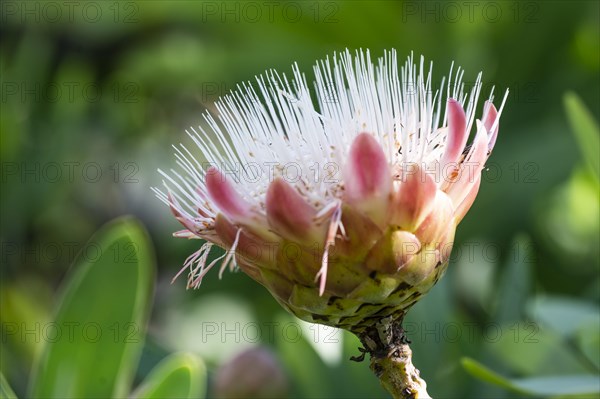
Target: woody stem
x=391, y=359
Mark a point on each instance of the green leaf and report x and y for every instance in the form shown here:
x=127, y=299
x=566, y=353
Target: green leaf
x=586, y=130
x=588, y=340
x=180, y=375
x=527, y=349
x=562, y=314
x=483, y=373
x=94, y=343
x=566, y=386
x=6, y=391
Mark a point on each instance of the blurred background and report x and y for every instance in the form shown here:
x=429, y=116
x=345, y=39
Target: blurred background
x=94, y=94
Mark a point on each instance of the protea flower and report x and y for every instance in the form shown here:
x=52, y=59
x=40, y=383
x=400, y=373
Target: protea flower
x=346, y=210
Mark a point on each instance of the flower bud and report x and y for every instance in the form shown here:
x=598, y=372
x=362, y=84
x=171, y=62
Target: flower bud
x=253, y=373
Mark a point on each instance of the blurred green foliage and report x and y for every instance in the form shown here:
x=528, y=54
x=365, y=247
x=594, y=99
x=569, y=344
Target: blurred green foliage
x=90, y=363
x=178, y=376
x=93, y=98
x=106, y=321
x=566, y=350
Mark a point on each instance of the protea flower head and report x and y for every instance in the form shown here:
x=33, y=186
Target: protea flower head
x=345, y=210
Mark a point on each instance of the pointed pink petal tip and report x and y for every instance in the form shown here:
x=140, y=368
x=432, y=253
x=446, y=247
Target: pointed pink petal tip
x=490, y=114
x=470, y=170
x=367, y=172
x=287, y=212
x=224, y=195
x=457, y=132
